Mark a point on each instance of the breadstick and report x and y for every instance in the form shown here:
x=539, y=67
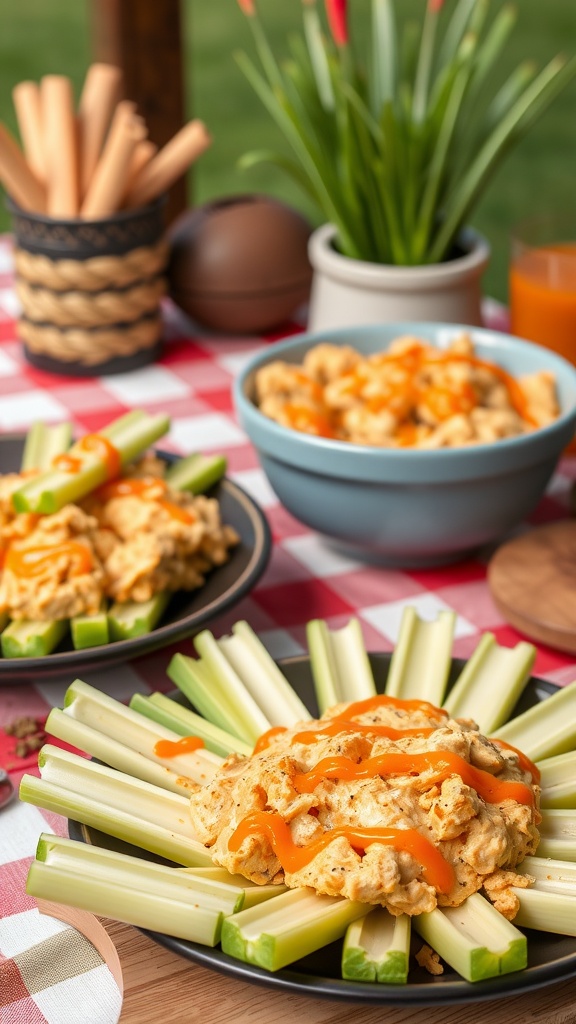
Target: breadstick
x=18, y=179
x=100, y=94
x=143, y=153
x=26, y=97
x=170, y=163
x=60, y=145
x=108, y=183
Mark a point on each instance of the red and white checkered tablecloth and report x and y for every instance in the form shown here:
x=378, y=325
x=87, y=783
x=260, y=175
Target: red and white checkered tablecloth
x=305, y=579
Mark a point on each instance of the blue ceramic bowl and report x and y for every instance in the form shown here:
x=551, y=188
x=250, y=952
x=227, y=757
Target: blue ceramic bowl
x=405, y=507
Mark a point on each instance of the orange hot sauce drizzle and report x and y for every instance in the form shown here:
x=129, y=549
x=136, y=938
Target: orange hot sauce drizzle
x=171, y=748
x=33, y=561
x=67, y=463
x=263, y=741
x=104, y=450
x=364, y=707
x=524, y=762
x=340, y=725
x=147, y=488
x=437, y=871
x=441, y=763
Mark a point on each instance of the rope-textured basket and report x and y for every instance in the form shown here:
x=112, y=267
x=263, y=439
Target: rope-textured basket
x=90, y=292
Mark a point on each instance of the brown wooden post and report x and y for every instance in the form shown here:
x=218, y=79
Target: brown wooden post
x=144, y=38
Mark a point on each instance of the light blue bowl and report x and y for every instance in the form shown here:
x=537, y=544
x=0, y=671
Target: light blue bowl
x=405, y=507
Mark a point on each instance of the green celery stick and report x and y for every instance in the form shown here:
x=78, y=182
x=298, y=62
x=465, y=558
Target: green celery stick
x=127, y=889
x=340, y=664
x=181, y=720
x=421, y=661
x=197, y=683
x=156, y=820
x=253, y=893
x=491, y=682
x=134, y=618
x=547, y=729
x=558, y=834
x=53, y=489
x=288, y=927
x=196, y=473
x=474, y=938
x=114, y=720
x=4, y=619
x=558, y=780
x=251, y=720
x=377, y=948
x=90, y=630
x=43, y=443
x=28, y=639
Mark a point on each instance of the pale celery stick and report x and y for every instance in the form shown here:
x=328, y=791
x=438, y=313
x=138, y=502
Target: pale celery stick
x=196, y=473
x=288, y=927
x=252, y=721
x=185, y=722
x=259, y=673
x=115, y=753
x=130, y=619
x=491, y=682
x=123, y=895
x=51, y=490
x=474, y=938
x=253, y=894
x=340, y=663
x=156, y=820
x=550, y=875
x=136, y=873
x=558, y=834
x=90, y=630
x=547, y=729
x=90, y=706
x=546, y=911
x=198, y=684
x=43, y=442
x=377, y=948
x=24, y=638
x=558, y=780
x=421, y=661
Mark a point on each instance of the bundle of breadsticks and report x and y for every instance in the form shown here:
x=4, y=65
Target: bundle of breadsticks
x=91, y=161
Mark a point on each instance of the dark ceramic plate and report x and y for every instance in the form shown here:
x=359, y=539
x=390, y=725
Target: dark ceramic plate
x=186, y=613
x=550, y=957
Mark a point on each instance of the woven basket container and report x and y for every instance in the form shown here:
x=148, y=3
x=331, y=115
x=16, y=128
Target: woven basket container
x=90, y=291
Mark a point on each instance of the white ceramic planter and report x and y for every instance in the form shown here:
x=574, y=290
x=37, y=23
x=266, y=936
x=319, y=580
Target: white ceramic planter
x=347, y=292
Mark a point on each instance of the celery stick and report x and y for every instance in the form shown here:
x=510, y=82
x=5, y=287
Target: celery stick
x=28, y=639
x=550, y=875
x=90, y=630
x=157, y=820
x=43, y=443
x=251, y=720
x=115, y=754
x=252, y=894
x=546, y=911
x=196, y=473
x=558, y=835
x=136, y=873
x=474, y=938
x=546, y=729
x=4, y=619
x=203, y=691
x=421, y=661
x=377, y=948
x=558, y=780
x=181, y=720
x=134, y=618
x=93, y=708
x=54, y=488
x=490, y=684
x=288, y=927
x=259, y=673
x=339, y=662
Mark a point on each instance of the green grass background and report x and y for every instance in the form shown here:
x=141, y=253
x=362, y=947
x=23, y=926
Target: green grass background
x=53, y=36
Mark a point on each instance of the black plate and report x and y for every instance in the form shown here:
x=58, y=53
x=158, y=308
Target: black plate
x=186, y=613
x=550, y=957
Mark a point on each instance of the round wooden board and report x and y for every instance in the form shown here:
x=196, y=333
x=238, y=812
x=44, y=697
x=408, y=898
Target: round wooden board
x=533, y=582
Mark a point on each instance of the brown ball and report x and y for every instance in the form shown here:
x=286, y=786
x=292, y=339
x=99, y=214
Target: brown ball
x=240, y=264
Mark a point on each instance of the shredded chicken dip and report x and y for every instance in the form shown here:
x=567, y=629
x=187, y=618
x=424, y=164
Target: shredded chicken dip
x=132, y=546
x=482, y=841
x=412, y=395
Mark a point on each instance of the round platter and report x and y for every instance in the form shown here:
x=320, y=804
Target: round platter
x=186, y=612
x=551, y=957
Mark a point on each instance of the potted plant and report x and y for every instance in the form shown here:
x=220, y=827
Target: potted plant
x=395, y=136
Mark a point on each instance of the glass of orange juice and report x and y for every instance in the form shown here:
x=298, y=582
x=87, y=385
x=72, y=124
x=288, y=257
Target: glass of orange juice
x=542, y=284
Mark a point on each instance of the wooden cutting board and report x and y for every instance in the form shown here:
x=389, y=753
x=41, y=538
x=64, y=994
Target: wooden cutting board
x=533, y=583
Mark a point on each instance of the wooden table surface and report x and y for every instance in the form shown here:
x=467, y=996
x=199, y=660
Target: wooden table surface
x=162, y=988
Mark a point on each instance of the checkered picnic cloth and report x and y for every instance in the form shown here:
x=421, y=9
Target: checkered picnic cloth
x=305, y=579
